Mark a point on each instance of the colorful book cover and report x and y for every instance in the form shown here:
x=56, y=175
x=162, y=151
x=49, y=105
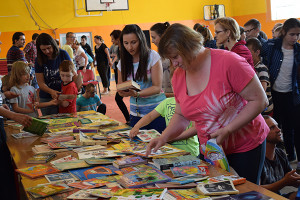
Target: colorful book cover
x=64, y=159
x=215, y=155
x=57, y=145
x=148, y=135
x=142, y=178
x=41, y=158
x=189, y=170
x=122, y=127
x=164, y=150
x=167, y=163
x=45, y=190
x=139, y=194
x=188, y=179
x=60, y=177
x=23, y=135
x=81, y=194
x=53, y=122
x=85, y=121
x=89, y=148
x=99, y=161
x=37, y=127
x=94, y=172
x=74, y=164
x=185, y=194
x=129, y=161
x=95, y=182
x=126, y=170
x=37, y=171
x=64, y=125
x=103, y=193
x=57, y=139
x=235, y=179
x=98, y=154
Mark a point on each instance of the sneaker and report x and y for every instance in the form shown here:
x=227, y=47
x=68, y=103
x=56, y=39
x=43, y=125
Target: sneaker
x=104, y=93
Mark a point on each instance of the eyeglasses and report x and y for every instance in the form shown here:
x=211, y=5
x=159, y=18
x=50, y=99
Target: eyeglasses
x=248, y=31
x=217, y=32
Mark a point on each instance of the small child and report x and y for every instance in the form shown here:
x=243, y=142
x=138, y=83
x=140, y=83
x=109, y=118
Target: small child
x=90, y=100
x=188, y=140
x=66, y=71
x=26, y=102
x=262, y=71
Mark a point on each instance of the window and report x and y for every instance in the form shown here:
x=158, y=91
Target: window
x=284, y=9
x=62, y=38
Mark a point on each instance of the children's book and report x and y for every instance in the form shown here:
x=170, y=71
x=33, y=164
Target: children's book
x=188, y=179
x=23, y=135
x=103, y=193
x=64, y=125
x=98, y=154
x=84, y=140
x=41, y=158
x=45, y=190
x=167, y=163
x=61, y=177
x=74, y=164
x=189, y=170
x=164, y=150
x=53, y=122
x=176, y=186
x=37, y=127
x=215, y=155
x=81, y=194
x=184, y=194
x=57, y=139
x=126, y=170
x=44, y=148
x=253, y=195
x=128, y=161
x=57, y=145
x=95, y=182
x=130, y=84
x=37, y=171
x=99, y=161
x=218, y=188
x=89, y=130
x=234, y=178
x=89, y=148
x=64, y=159
x=148, y=135
x=94, y=172
x=142, y=178
x=122, y=127
x=139, y=194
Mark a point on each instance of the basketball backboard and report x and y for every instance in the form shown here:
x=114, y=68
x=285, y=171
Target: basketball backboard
x=101, y=5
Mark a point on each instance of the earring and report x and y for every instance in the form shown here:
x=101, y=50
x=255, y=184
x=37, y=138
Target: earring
x=228, y=39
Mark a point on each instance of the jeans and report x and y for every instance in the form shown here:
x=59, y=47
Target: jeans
x=287, y=116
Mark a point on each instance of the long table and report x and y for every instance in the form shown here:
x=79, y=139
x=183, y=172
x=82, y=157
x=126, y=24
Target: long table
x=21, y=151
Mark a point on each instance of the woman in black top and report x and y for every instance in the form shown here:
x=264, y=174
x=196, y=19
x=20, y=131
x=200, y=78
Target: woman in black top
x=103, y=62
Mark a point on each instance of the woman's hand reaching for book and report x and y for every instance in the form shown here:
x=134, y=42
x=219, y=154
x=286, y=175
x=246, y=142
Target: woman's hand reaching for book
x=155, y=144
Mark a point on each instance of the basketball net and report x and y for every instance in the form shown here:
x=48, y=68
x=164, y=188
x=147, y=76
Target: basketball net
x=108, y=6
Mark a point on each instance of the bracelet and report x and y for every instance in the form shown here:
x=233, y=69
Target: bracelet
x=137, y=94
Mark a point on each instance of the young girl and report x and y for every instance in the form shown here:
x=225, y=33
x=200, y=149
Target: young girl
x=142, y=65
x=26, y=102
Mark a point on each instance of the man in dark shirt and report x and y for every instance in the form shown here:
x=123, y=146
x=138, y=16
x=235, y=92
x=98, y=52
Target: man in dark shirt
x=252, y=29
x=15, y=53
x=277, y=172
x=87, y=48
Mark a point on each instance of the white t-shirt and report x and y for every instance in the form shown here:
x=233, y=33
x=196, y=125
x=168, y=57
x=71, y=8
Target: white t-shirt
x=283, y=82
x=80, y=61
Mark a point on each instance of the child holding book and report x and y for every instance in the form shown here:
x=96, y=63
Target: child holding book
x=27, y=102
x=166, y=109
x=68, y=87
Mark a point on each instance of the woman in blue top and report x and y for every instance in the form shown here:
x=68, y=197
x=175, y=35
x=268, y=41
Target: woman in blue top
x=49, y=57
x=282, y=56
x=139, y=63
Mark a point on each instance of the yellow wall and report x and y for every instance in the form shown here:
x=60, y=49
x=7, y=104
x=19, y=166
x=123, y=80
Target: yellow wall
x=60, y=16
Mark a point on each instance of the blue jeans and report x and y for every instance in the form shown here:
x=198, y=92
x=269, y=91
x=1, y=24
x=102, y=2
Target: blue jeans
x=158, y=124
x=50, y=109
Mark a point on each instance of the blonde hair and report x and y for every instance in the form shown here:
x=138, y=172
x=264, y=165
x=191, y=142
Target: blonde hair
x=184, y=40
x=230, y=24
x=19, y=68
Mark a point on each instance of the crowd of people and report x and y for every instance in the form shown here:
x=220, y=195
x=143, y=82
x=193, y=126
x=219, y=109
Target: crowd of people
x=196, y=87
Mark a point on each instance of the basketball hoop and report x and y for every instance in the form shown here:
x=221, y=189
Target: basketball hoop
x=107, y=4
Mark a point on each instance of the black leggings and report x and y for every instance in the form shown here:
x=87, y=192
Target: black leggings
x=122, y=106
x=102, y=70
x=102, y=109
